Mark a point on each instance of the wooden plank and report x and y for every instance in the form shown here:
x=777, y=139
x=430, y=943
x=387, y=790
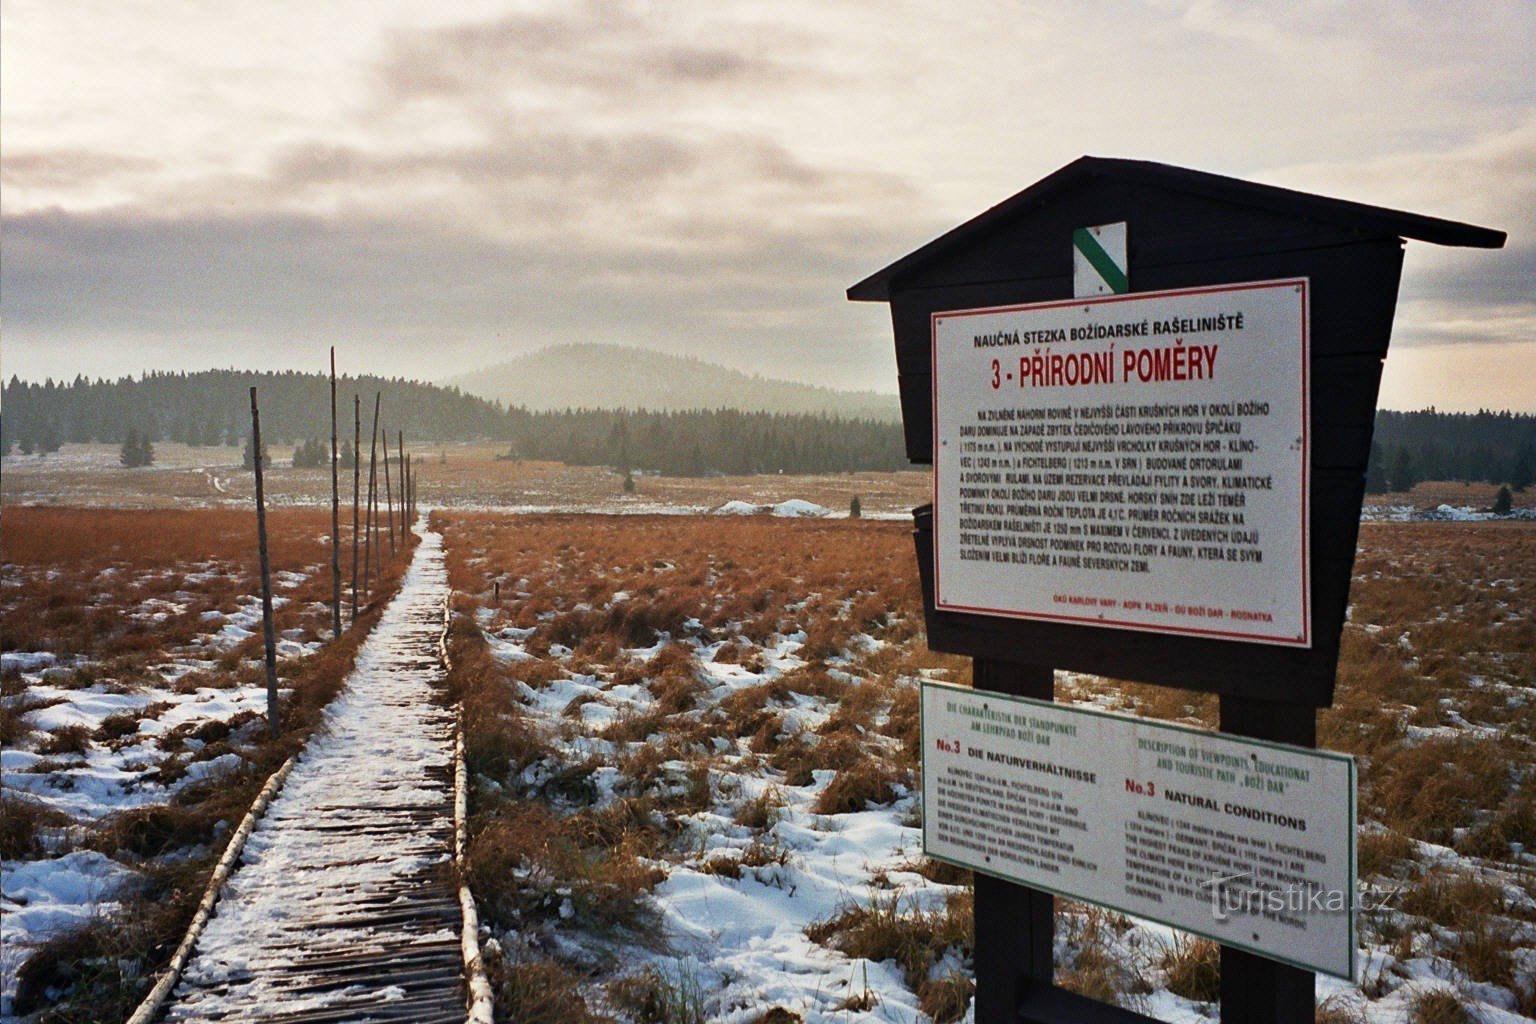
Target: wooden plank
x=364, y=935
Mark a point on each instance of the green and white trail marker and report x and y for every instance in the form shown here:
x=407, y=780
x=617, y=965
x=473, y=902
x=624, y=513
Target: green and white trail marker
x=1099, y=265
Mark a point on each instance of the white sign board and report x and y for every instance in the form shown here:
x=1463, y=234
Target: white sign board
x=1248, y=843
x=1133, y=461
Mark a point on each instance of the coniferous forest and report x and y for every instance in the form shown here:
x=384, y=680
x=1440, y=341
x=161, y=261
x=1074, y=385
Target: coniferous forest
x=213, y=408
x=1481, y=447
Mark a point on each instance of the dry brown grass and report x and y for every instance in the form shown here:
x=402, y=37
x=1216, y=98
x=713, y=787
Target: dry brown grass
x=1440, y=636
x=761, y=811
x=1434, y=493
x=871, y=781
x=914, y=940
x=1093, y=966
x=498, y=742
x=22, y=821
x=1429, y=789
x=1451, y=899
x=526, y=863
x=539, y=991
x=722, y=571
x=100, y=967
x=1192, y=968
x=110, y=583
x=652, y=996
x=1438, y=1006
x=706, y=593
x=1340, y=1009
x=1461, y=591
x=67, y=739
x=1383, y=852
x=99, y=584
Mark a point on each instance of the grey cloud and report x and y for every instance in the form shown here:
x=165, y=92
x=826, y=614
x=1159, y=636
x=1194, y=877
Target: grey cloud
x=68, y=168
x=1506, y=276
x=408, y=295
x=667, y=194
x=537, y=154
x=702, y=65
x=600, y=50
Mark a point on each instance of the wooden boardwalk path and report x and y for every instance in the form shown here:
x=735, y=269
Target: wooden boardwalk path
x=344, y=907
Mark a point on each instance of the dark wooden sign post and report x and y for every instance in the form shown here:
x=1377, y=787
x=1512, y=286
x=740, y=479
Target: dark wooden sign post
x=1183, y=229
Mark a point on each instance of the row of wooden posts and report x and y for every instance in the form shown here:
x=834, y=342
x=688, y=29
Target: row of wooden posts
x=365, y=532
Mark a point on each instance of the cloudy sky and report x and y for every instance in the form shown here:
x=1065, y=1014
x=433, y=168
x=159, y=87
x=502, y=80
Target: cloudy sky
x=435, y=187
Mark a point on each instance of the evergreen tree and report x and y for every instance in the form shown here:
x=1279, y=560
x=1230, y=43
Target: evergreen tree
x=1503, y=502
x=855, y=510
x=310, y=454
x=1376, y=471
x=209, y=431
x=629, y=482
x=136, y=451
x=1402, y=474
x=1523, y=472
x=128, y=454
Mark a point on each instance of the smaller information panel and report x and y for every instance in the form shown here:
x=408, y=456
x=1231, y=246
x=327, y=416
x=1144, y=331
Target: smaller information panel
x=1131, y=461
x=1245, y=842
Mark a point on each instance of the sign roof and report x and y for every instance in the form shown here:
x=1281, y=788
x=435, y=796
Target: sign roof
x=1376, y=220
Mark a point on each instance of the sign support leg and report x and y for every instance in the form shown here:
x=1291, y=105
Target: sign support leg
x=1255, y=988
x=1015, y=925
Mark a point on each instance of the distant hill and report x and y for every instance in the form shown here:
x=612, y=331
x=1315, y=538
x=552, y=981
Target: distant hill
x=595, y=376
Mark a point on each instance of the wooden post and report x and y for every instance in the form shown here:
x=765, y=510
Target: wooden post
x=1015, y=925
x=1255, y=988
x=371, y=540
x=268, y=629
x=405, y=523
x=335, y=512
x=389, y=502
x=357, y=478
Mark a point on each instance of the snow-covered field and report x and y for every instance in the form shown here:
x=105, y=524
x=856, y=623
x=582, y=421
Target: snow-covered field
x=129, y=693
x=756, y=736
x=695, y=737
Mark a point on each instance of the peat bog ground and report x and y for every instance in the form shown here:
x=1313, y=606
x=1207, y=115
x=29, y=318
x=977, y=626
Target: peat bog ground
x=694, y=744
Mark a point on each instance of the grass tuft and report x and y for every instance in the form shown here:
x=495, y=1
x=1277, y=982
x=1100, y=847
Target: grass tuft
x=1192, y=968
x=915, y=940
x=1437, y=1006
x=538, y=992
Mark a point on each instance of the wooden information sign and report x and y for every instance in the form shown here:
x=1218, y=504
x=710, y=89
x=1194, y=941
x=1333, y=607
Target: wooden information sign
x=1148, y=395
x=1148, y=450
x=1247, y=843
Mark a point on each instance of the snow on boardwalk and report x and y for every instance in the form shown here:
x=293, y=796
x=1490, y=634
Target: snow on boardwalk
x=343, y=908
